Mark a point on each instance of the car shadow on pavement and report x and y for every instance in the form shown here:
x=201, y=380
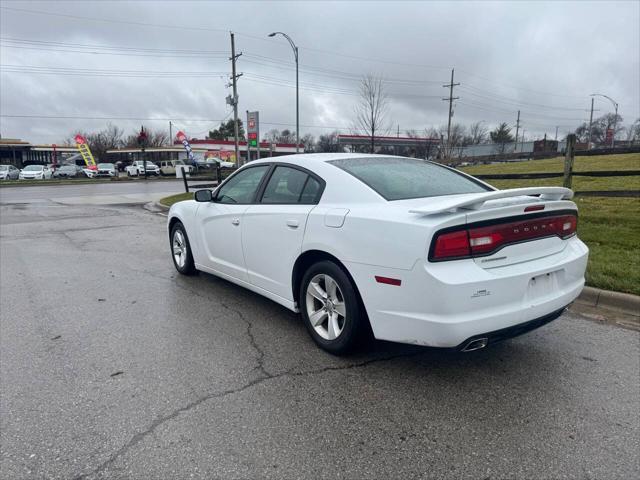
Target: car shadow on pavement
x=283, y=340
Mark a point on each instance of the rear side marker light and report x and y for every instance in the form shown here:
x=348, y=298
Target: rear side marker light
x=389, y=281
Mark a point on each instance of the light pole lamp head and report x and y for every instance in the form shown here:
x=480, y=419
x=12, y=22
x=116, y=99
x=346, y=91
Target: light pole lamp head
x=272, y=34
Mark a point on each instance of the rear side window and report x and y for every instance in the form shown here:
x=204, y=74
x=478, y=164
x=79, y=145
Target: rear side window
x=404, y=178
x=290, y=186
x=311, y=191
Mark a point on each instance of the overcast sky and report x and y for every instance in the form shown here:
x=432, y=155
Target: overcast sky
x=152, y=61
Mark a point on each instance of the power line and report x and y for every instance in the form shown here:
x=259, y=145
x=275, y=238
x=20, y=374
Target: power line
x=109, y=47
x=471, y=90
x=99, y=72
x=327, y=52
x=87, y=52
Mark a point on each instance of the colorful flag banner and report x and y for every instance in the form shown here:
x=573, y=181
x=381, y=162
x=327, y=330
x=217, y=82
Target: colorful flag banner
x=83, y=148
x=183, y=138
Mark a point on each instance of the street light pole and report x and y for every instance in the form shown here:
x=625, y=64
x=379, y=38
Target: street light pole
x=615, y=119
x=295, y=54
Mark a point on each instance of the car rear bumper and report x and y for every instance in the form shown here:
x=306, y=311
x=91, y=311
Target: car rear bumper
x=446, y=304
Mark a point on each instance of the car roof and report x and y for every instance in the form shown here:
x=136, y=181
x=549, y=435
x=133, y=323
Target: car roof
x=314, y=158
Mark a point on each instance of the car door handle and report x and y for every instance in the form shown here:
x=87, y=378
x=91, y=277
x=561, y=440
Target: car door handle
x=292, y=223
x=236, y=221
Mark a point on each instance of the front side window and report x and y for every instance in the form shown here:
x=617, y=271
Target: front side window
x=404, y=178
x=285, y=186
x=242, y=187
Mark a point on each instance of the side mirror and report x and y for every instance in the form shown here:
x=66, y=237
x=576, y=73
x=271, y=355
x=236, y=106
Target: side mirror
x=203, y=196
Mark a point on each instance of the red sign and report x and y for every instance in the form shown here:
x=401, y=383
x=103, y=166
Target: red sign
x=609, y=135
x=80, y=139
x=253, y=136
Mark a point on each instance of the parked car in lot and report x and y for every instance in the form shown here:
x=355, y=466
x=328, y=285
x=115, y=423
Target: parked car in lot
x=90, y=171
x=66, y=171
x=35, y=172
x=138, y=167
x=418, y=252
x=106, y=170
x=9, y=172
x=169, y=167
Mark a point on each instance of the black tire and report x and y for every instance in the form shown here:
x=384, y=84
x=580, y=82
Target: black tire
x=355, y=321
x=189, y=267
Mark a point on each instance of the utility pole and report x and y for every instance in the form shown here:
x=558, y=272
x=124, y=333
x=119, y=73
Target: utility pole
x=522, y=144
x=590, y=124
x=556, y=137
x=450, y=99
x=170, y=134
x=234, y=100
x=517, y=130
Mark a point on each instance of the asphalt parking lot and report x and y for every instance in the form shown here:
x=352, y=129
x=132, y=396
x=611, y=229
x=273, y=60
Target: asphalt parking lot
x=114, y=366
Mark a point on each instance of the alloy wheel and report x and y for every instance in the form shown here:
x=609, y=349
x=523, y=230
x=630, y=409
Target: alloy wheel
x=179, y=249
x=325, y=306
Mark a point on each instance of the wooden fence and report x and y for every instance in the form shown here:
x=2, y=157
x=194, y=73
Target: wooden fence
x=568, y=175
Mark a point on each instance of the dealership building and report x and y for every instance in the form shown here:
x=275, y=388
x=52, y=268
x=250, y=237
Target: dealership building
x=18, y=152
x=203, y=150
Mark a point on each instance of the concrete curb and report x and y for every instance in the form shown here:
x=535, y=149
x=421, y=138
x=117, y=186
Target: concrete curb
x=621, y=302
x=156, y=207
x=160, y=206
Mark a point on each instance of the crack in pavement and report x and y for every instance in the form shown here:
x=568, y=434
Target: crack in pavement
x=140, y=436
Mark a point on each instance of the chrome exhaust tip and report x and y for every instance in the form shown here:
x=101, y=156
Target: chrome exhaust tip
x=476, y=344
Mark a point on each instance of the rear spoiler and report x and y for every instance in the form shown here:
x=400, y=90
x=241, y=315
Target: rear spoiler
x=474, y=201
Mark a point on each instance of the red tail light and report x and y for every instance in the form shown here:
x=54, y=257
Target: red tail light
x=476, y=241
x=452, y=244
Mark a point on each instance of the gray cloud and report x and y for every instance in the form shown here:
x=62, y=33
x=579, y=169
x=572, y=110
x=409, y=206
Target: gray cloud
x=541, y=58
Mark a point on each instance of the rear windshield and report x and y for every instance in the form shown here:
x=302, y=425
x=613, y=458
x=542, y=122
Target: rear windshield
x=404, y=178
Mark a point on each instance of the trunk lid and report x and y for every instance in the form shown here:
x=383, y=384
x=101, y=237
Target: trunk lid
x=512, y=212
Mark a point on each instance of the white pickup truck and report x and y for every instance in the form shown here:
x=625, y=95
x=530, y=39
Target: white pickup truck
x=137, y=168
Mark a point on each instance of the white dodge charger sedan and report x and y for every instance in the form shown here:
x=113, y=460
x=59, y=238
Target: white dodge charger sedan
x=413, y=251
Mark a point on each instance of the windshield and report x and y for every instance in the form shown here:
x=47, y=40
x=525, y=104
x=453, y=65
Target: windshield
x=4, y=167
x=33, y=168
x=107, y=165
x=404, y=178
x=68, y=167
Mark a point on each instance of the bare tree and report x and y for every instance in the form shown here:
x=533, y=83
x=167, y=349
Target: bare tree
x=599, y=128
x=276, y=136
x=478, y=133
x=155, y=138
x=158, y=138
x=633, y=131
x=100, y=142
x=329, y=143
x=372, y=108
x=309, y=142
